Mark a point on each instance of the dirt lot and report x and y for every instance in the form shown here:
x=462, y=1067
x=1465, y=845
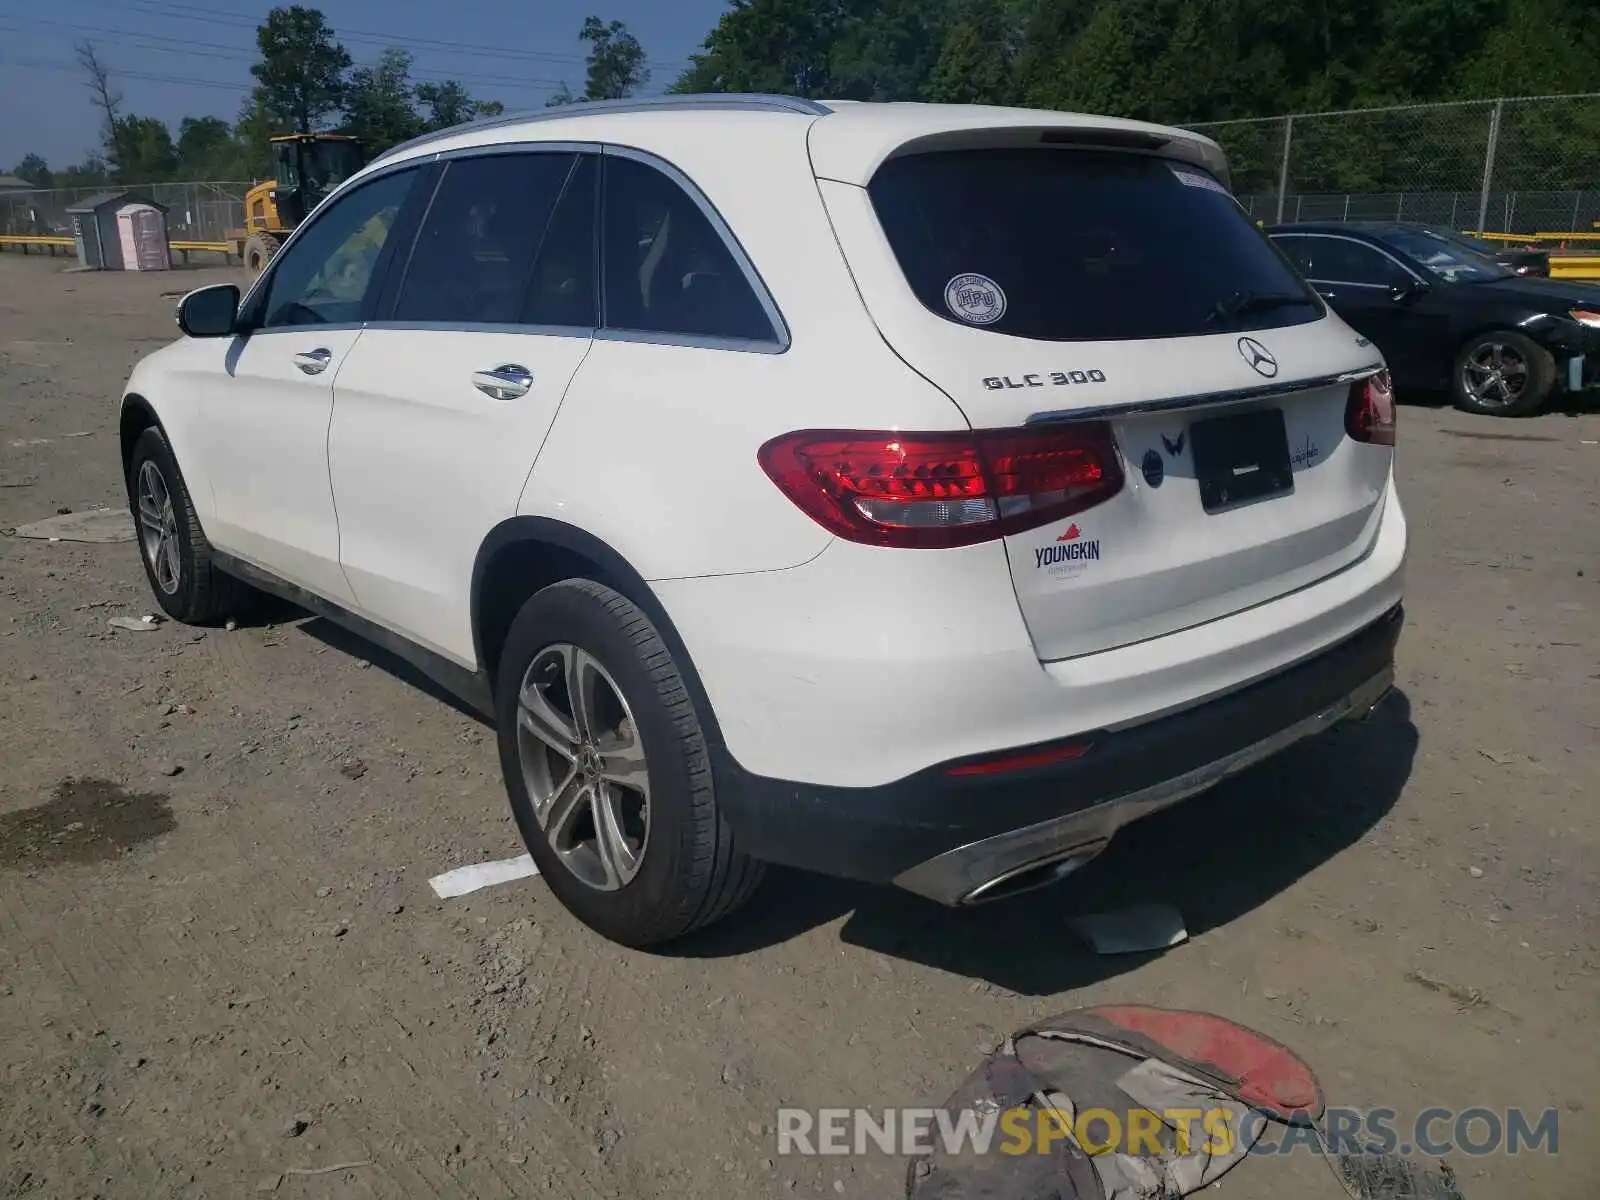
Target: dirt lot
x=215, y=925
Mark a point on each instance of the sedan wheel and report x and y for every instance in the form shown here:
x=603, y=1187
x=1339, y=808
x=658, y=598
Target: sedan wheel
x=1494, y=375
x=1503, y=374
x=584, y=766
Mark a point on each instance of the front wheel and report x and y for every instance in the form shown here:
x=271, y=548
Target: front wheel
x=607, y=769
x=177, y=558
x=1503, y=374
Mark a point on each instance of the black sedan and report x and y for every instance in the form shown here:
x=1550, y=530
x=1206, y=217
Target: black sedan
x=1444, y=316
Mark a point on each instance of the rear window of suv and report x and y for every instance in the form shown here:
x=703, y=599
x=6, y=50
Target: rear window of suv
x=1073, y=245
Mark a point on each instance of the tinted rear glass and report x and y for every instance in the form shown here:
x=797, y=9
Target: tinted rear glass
x=1071, y=245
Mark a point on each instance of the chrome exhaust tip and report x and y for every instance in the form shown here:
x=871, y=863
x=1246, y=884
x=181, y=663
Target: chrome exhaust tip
x=1029, y=877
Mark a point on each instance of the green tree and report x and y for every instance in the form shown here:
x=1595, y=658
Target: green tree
x=206, y=149
x=783, y=46
x=301, y=72
x=616, y=61
x=92, y=172
x=1542, y=47
x=253, y=132
x=377, y=103
x=974, y=64
x=148, y=153
x=35, y=170
x=449, y=103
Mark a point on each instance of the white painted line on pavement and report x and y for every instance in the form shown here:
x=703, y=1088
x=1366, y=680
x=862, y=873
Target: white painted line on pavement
x=481, y=875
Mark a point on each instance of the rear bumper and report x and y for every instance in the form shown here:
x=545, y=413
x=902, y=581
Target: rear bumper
x=960, y=839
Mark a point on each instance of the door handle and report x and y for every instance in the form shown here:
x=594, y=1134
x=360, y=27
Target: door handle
x=505, y=382
x=314, y=362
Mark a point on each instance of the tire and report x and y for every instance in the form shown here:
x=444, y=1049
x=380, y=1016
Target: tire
x=671, y=864
x=1476, y=388
x=177, y=558
x=258, y=251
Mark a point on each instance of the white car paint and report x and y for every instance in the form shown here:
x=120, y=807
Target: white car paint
x=423, y=465
x=825, y=661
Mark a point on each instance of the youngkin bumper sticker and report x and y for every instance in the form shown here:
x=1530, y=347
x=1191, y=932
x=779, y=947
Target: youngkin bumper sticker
x=1068, y=555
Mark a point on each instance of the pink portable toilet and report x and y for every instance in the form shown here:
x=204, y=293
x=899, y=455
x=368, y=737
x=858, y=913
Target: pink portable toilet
x=142, y=232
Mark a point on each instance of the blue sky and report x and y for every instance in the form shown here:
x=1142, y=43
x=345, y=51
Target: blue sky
x=177, y=58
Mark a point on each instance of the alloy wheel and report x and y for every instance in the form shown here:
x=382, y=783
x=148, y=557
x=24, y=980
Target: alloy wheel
x=583, y=764
x=158, y=528
x=1494, y=374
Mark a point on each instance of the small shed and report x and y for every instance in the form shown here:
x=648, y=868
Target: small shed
x=116, y=231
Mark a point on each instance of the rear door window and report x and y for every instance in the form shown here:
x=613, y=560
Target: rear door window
x=563, y=289
x=1341, y=260
x=1072, y=245
x=1295, y=250
x=473, y=257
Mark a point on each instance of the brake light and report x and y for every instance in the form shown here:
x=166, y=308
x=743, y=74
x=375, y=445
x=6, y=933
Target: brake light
x=933, y=490
x=1370, y=415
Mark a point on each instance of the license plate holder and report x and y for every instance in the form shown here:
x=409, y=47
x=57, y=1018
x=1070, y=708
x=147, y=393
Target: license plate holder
x=1241, y=458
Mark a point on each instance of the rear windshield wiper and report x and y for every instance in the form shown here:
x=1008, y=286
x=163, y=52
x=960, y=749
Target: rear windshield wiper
x=1240, y=303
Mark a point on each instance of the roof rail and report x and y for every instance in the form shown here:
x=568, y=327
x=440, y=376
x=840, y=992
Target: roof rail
x=712, y=101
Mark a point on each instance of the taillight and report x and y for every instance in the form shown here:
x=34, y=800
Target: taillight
x=1370, y=414
x=930, y=490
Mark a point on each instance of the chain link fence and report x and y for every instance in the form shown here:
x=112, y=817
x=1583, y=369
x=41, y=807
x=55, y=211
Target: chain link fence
x=1526, y=165
x=196, y=212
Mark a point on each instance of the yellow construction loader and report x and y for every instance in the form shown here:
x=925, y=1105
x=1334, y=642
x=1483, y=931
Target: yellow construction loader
x=307, y=167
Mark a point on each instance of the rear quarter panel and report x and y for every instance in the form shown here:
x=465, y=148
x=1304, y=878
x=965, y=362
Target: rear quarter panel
x=654, y=449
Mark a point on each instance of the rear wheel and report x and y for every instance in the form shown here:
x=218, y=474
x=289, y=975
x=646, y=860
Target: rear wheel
x=607, y=769
x=258, y=251
x=1503, y=374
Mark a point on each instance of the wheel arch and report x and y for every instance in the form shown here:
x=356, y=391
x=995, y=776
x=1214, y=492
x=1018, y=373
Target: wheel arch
x=1483, y=327
x=523, y=554
x=137, y=415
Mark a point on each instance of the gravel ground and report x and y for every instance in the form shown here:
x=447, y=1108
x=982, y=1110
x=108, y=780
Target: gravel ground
x=221, y=965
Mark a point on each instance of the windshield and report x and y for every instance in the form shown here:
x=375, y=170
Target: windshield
x=1446, y=258
x=1072, y=245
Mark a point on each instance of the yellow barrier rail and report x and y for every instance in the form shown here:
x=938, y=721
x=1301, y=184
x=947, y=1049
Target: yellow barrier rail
x=1575, y=266
x=26, y=242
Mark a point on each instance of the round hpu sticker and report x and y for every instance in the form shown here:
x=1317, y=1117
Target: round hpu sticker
x=975, y=299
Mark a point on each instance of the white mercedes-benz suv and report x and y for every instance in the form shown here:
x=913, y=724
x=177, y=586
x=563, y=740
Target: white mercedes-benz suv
x=911, y=493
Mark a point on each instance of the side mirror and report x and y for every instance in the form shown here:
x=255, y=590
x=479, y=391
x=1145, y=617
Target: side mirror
x=209, y=312
x=1401, y=292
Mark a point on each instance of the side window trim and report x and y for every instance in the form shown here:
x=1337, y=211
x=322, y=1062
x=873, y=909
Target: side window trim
x=383, y=317
x=397, y=261
x=779, y=342
x=255, y=296
x=1337, y=237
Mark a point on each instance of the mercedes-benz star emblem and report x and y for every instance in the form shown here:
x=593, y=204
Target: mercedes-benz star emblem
x=1258, y=356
